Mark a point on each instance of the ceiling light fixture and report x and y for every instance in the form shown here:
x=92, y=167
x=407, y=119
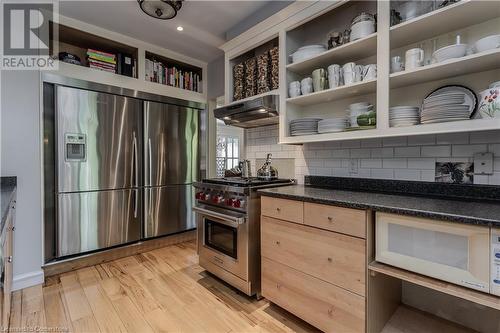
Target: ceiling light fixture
x=179, y=28
x=160, y=9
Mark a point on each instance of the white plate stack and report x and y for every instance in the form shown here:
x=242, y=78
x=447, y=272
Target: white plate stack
x=332, y=125
x=400, y=116
x=448, y=104
x=305, y=126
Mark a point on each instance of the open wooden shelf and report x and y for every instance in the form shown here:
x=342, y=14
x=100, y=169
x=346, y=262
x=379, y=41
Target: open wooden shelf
x=421, y=129
x=409, y=320
x=438, y=285
x=453, y=17
x=361, y=48
x=328, y=95
x=473, y=63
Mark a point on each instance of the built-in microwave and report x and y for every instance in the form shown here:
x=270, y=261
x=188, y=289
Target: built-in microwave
x=458, y=253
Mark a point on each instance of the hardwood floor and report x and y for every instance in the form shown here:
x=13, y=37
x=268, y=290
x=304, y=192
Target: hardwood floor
x=164, y=290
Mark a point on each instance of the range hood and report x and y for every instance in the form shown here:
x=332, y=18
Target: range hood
x=259, y=111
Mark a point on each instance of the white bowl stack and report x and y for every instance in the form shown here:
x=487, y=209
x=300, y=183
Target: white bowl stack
x=446, y=105
x=400, y=116
x=305, y=126
x=332, y=125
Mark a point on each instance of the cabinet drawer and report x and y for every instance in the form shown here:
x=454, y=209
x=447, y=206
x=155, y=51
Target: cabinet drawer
x=344, y=220
x=332, y=257
x=329, y=308
x=283, y=209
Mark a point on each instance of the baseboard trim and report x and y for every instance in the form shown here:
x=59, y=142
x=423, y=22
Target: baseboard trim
x=68, y=265
x=26, y=280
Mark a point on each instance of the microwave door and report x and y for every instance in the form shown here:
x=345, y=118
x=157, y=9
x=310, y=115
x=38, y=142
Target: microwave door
x=443, y=250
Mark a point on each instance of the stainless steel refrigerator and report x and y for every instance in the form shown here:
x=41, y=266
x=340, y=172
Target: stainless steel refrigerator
x=124, y=169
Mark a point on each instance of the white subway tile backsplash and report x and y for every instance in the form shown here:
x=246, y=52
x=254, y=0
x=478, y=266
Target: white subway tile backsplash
x=452, y=138
x=393, y=163
x=406, y=174
x=436, y=151
x=382, y=152
x=405, y=158
x=371, y=163
x=360, y=153
x=421, y=140
x=407, y=152
x=422, y=163
x=468, y=150
x=485, y=137
x=395, y=142
x=382, y=173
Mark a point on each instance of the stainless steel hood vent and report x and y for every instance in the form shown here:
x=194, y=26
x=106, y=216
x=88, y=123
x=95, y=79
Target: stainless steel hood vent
x=256, y=112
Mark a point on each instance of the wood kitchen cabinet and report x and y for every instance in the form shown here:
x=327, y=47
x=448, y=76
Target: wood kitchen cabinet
x=314, y=262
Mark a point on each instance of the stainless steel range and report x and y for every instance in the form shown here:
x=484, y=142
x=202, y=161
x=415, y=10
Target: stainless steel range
x=228, y=220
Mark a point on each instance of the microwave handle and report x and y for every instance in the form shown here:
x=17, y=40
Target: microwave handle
x=224, y=217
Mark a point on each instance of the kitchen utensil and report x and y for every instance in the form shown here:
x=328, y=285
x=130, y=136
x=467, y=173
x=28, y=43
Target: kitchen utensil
x=487, y=43
x=397, y=64
x=306, y=52
x=319, y=79
x=245, y=168
x=449, y=103
x=304, y=126
x=449, y=52
x=414, y=58
x=400, y=116
x=489, y=105
x=267, y=171
x=369, y=72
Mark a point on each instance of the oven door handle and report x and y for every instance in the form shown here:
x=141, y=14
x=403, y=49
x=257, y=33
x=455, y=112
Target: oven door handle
x=235, y=220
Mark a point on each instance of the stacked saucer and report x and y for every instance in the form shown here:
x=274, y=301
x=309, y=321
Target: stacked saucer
x=332, y=125
x=400, y=116
x=449, y=103
x=305, y=126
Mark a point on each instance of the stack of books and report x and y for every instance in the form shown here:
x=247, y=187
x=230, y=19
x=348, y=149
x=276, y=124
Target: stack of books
x=101, y=60
x=158, y=72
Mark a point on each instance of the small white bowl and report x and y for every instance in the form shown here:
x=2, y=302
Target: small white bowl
x=450, y=52
x=487, y=43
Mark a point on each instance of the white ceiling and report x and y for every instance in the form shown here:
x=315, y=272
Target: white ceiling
x=205, y=22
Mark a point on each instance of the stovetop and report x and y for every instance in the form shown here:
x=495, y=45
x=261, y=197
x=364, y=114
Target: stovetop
x=245, y=182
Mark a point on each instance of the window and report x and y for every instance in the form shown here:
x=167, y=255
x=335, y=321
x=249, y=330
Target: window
x=227, y=153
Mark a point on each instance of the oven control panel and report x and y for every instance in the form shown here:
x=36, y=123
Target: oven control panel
x=495, y=262
x=222, y=199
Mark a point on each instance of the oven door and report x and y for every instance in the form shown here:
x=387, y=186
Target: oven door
x=452, y=252
x=223, y=239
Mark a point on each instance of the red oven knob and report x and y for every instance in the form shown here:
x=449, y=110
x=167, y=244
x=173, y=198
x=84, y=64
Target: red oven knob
x=229, y=202
x=237, y=203
x=199, y=195
x=218, y=199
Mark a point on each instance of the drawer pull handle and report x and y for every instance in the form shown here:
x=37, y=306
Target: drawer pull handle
x=330, y=219
x=330, y=312
x=278, y=209
x=278, y=286
x=330, y=259
x=278, y=243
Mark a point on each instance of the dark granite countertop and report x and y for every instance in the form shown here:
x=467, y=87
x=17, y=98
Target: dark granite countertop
x=7, y=194
x=453, y=210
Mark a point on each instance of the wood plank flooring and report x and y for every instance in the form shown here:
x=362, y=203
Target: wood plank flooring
x=164, y=290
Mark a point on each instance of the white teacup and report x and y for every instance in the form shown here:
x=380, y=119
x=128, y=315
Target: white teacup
x=370, y=72
x=397, y=64
x=306, y=86
x=414, y=58
x=294, y=92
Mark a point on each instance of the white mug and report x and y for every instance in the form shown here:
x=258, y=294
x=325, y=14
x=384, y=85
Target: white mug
x=294, y=92
x=306, y=86
x=358, y=73
x=397, y=64
x=414, y=58
x=294, y=84
x=349, y=67
x=369, y=72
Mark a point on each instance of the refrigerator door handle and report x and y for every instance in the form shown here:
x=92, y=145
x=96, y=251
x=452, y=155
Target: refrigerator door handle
x=150, y=163
x=136, y=166
x=136, y=202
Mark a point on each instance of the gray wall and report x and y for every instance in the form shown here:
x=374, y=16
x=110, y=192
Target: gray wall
x=21, y=157
x=215, y=78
